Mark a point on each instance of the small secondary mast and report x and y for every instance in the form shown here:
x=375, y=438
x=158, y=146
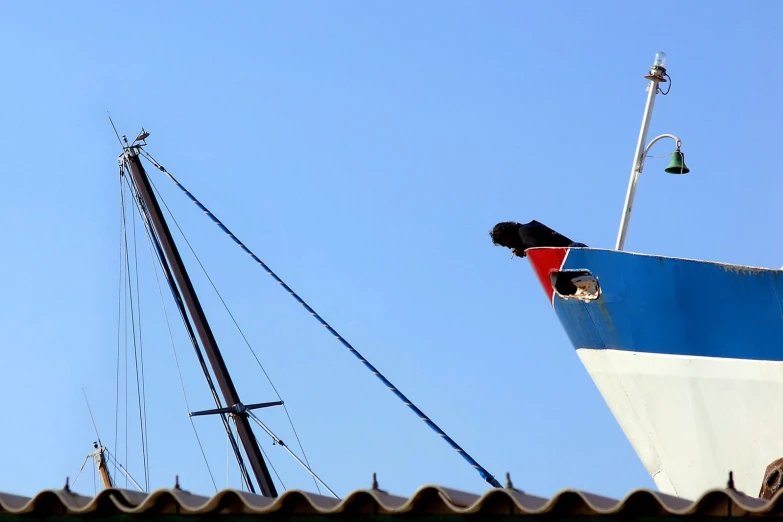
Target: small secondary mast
x=99, y=456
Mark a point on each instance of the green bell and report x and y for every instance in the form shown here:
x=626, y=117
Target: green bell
x=677, y=165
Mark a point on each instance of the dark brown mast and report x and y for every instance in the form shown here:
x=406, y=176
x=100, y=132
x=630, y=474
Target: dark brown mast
x=196, y=315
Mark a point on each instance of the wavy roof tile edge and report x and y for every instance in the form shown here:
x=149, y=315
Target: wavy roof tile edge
x=430, y=499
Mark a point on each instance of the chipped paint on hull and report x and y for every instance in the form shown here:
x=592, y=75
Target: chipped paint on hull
x=680, y=306
x=687, y=354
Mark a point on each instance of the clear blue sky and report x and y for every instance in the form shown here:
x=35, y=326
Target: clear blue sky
x=363, y=151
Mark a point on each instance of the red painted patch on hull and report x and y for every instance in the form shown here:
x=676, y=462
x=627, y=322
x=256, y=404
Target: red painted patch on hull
x=544, y=261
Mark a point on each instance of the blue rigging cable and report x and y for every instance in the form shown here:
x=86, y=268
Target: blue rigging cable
x=486, y=475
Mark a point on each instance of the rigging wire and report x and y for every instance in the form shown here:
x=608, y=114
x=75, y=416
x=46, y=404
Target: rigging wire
x=239, y=329
x=133, y=311
x=176, y=359
x=139, y=364
x=274, y=470
x=125, y=472
x=480, y=469
x=80, y=470
x=189, y=329
x=276, y=440
x=126, y=284
x=266, y=458
x=95, y=426
x=127, y=308
x=119, y=317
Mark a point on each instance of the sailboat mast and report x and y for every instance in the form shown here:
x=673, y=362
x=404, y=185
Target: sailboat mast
x=197, y=316
x=100, y=461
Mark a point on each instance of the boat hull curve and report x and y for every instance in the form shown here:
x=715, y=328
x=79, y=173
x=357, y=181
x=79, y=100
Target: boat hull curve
x=688, y=355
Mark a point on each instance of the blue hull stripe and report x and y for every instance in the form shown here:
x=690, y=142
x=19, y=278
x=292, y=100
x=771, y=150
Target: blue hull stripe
x=675, y=306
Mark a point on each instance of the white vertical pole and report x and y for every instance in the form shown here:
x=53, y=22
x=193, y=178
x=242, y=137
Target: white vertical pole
x=652, y=90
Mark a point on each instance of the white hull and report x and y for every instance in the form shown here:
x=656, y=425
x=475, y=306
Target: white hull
x=691, y=419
